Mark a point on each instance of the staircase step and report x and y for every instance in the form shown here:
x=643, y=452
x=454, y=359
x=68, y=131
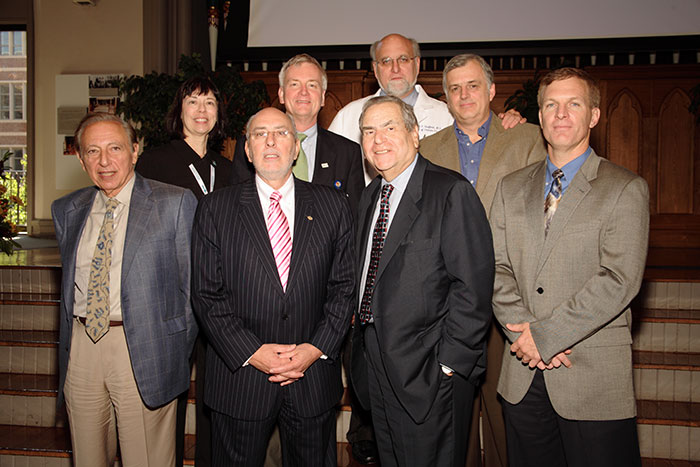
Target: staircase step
x=654, y=412
x=661, y=335
x=28, y=338
x=15, y=384
x=689, y=361
x=30, y=279
x=19, y=298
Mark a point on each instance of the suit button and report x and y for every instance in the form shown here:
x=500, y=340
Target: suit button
x=285, y=316
x=540, y=290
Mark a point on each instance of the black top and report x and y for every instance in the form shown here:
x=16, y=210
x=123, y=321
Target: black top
x=170, y=164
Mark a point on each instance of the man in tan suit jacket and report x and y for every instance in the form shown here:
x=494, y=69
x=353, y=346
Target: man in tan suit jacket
x=564, y=280
x=478, y=147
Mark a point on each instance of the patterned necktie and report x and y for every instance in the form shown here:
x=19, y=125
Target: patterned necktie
x=552, y=200
x=301, y=167
x=378, y=237
x=280, y=237
x=97, y=312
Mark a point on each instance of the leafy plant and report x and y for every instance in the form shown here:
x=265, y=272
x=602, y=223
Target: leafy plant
x=525, y=100
x=9, y=216
x=146, y=99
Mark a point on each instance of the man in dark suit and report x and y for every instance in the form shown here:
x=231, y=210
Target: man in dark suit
x=478, y=146
x=570, y=238
x=273, y=285
x=327, y=158
x=126, y=326
x=426, y=262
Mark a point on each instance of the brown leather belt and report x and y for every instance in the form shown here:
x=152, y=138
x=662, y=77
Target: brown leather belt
x=111, y=323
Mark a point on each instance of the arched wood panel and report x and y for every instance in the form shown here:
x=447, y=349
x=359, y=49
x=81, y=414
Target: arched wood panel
x=624, y=132
x=675, y=155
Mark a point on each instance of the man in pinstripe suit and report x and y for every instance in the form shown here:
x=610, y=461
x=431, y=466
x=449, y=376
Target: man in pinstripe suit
x=275, y=335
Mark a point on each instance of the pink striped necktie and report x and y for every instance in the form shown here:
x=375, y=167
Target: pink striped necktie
x=280, y=237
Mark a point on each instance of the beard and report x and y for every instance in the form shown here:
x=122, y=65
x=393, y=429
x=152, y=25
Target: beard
x=398, y=88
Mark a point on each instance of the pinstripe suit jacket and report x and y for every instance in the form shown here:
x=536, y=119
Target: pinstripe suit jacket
x=241, y=304
x=155, y=285
x=574, y=286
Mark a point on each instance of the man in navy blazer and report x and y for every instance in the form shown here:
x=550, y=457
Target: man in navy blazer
x=333, y=159
x=275, y=326
x=126, y=378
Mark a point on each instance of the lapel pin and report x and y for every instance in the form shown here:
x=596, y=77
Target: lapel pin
x=337, y=184
x=324, y=165
x=310, y=218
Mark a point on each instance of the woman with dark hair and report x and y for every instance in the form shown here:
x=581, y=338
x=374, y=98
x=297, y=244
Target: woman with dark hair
x=191, y=160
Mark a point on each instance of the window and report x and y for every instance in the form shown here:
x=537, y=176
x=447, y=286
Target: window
x=12, y=101
x=13, y=43
x=15, y=160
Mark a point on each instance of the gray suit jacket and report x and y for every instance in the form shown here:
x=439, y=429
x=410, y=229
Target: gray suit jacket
x=575, y=286
x=155, y=285
x=506, y=151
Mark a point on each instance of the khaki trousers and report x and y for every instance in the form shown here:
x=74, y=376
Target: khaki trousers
x=103, y=402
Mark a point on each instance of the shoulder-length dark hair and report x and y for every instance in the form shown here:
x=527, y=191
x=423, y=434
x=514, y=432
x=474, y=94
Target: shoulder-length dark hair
x=197, y=85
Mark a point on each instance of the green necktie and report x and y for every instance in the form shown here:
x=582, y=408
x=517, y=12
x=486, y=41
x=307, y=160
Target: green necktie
x=97, y=315
x=301, y=168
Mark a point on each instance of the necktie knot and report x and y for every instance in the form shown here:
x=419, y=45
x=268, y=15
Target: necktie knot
x=112, y=204
x=386, y=191
x=301, y=137
x=275, y=197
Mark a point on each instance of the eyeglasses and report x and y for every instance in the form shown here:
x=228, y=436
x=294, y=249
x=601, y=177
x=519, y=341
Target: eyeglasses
x=262, y=134
x=388, y=61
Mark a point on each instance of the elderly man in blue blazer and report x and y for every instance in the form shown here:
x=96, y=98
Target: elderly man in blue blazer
x=126, y=326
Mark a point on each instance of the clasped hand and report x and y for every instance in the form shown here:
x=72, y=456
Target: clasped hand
x=525, y=349
x=285, y=363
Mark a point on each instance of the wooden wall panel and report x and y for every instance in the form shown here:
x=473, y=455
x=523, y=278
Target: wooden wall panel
x=624, y=132
x=675, y=155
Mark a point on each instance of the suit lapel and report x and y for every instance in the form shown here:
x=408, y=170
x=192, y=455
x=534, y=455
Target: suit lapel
x=140, y=210
x=324, y=156
x=406, y=214
x=368, y=203
x=303, y=225
x=492, y=155
x=533, y=199
x=253, y=220
x=75, y=222
x=572, y=197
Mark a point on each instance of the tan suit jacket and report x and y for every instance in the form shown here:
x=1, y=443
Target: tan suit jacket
x=574, y=286
x=506, y=151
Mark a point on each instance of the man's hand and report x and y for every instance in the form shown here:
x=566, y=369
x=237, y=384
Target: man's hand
x=560, y=359
x=268, y=356
x=294, y=363
x=511, y=118
x=524, y=346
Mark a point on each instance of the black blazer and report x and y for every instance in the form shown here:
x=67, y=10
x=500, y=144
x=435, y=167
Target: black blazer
x=238, y=297
x=338, y=165
x=432, y=297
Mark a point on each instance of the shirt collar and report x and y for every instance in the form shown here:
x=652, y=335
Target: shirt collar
x=570, y=168
x=266, y=190
x=401, y=181
x=124, y=195
x=482, y=131
x=310, y=132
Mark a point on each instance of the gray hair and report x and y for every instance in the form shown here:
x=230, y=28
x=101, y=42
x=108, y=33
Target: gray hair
x=298, y=60
x=249, y=123
x=92, y=118
x=373, y=48
x=458, y=61
x=409, y=118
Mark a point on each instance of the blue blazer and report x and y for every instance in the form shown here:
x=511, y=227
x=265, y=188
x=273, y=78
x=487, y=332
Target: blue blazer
x=155, y=285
